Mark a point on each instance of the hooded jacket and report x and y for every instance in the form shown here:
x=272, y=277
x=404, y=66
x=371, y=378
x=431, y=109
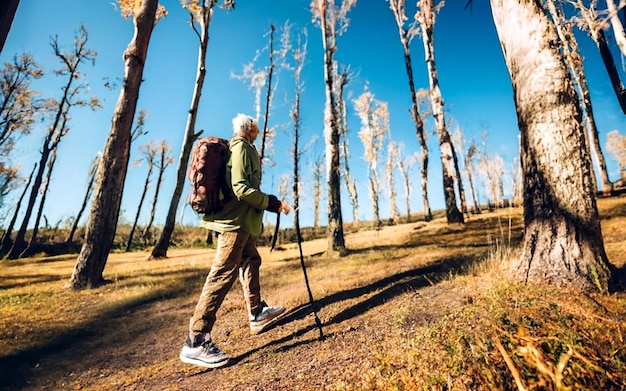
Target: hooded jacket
x=243, y=176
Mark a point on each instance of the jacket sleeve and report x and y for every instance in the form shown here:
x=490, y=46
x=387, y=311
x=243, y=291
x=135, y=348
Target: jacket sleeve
x=246, y=177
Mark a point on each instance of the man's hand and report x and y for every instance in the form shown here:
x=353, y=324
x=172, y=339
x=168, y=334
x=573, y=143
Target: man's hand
x=284, y=207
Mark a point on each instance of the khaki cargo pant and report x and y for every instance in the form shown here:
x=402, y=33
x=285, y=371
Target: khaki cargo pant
x=236, y=255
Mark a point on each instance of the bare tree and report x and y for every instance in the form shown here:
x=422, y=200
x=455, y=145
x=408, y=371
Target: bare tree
x=340, y=84
x=333, y=21
x=200, y=14
x=563, y=242
x=374, y=117
x=425, y=17
x=392, y=161
x=575, y=64
x=406, y=36
x=105, y=208
x=616, y=144
x=91, y=180
x=164, y=161
x=588, y=21
x=148, y=152
x=318, y=171
x=405, y=165
x=467, y=155
x=71, y=96
x=6, y=244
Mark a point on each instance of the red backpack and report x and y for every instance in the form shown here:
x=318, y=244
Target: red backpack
x=207, y=174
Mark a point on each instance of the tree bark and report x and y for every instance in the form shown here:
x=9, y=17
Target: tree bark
x=336, y=241
x=575, y=62
x=92, y=180
x=100, y=229
x=146, y=185
x=427, y=21
x=563, y=242
x=415, y=114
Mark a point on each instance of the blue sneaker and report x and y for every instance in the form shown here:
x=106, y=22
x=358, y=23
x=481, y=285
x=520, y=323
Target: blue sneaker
x=206, y=355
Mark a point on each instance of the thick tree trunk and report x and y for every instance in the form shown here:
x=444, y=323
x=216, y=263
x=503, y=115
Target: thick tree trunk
x=160, y=248
x=427, y=21
x=563, y=242
x=100, y=229
x=336, y=241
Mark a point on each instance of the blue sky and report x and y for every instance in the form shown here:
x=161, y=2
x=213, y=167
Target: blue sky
x=473, y=78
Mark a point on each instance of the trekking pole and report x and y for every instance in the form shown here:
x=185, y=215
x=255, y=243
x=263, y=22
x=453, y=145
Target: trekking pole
x=318, y=322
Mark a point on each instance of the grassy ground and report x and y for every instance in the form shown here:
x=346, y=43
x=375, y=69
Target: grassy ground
x=411, y=307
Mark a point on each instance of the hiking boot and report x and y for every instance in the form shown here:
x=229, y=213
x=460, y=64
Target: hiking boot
x=206, y=355
x=265, y=317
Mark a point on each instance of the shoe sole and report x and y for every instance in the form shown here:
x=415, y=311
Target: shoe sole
x=203, y=364
x=261, y=329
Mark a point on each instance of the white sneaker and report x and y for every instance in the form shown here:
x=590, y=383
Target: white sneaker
x=207, y=355
x=265, y=317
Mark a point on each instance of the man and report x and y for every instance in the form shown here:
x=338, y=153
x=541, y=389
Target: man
x=238, y=225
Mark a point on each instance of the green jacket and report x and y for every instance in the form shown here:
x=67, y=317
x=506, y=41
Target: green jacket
x=243, y=175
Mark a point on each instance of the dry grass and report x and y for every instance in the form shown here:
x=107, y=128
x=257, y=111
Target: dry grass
x=410, y=307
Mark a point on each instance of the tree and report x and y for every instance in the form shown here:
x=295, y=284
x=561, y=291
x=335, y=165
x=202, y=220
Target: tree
x=563, y=242
x=392, y=161
x=105, y=207
x=91, y=180
x=318, y=173
x=405, y=165
x=164, y=161
x=406, y=36
x=588, y=21
x=616, y=144
x=71, y=96
x=425, y=17
x=467, y=155
x=575, y=64
x=149, y=151
x=333, y=21
x=340, y=84
x=200, y=14
x=374, y=117
x=5, y=246
x=20, y=106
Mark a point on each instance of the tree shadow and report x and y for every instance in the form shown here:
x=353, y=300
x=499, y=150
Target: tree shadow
x=388, y=287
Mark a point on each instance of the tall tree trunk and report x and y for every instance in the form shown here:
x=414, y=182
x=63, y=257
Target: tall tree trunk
x=160, y=248
x=575, y=62
x=345, y=152
x=563, y=242
x=336, y=241
x=427, y=21
x=105, y=208
x=398, y=11
x=6, y=238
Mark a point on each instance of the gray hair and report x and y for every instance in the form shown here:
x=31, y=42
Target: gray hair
x=242, y=124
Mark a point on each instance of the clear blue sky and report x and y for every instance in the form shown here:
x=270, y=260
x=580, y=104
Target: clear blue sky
x=474, y=82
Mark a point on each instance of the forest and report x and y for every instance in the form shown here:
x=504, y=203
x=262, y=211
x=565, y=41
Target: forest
x=556, y=194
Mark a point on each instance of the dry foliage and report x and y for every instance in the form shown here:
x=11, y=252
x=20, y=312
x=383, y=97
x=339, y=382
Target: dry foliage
x=419, y=306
